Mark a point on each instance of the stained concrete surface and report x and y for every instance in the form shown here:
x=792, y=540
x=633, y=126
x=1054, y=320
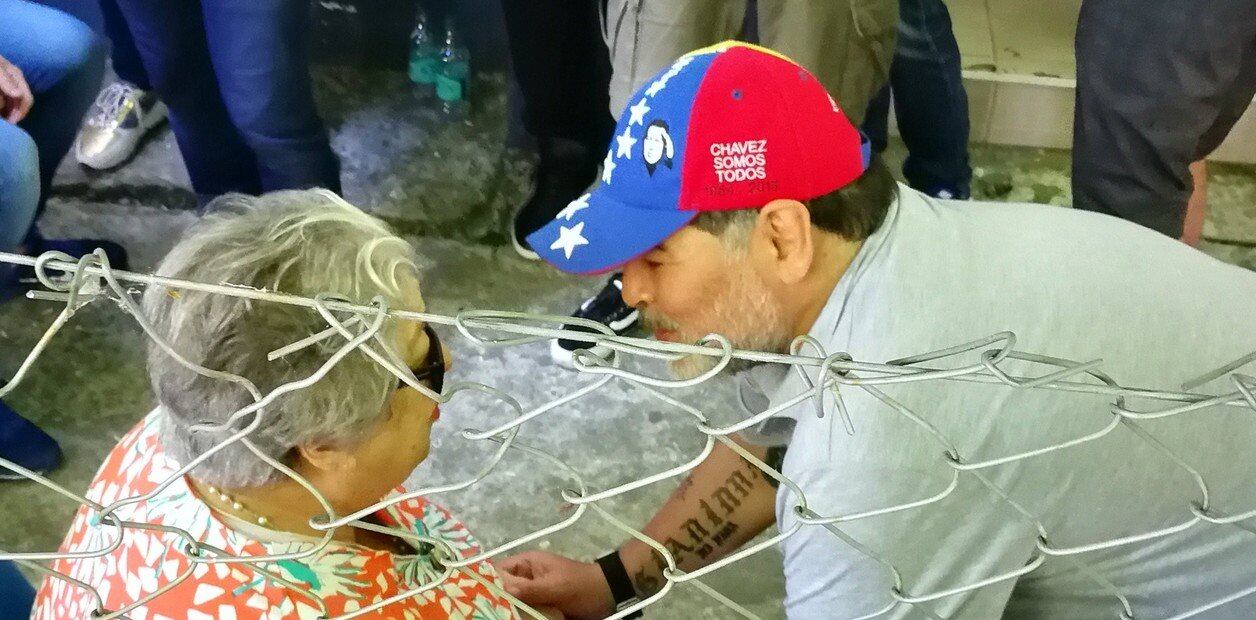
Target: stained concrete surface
x=449, y=188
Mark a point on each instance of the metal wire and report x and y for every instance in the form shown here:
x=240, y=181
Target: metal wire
x=91, y=279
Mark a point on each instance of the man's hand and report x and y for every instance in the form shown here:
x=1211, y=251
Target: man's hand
x=543, y=579
x=15, y=94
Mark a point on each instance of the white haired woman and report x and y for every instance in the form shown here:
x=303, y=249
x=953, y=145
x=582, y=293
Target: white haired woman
x=355, y=435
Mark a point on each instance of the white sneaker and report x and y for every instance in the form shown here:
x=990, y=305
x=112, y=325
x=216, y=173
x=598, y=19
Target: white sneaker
x=115, y=124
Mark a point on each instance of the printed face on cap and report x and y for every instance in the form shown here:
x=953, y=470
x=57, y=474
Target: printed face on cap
x=657, y=146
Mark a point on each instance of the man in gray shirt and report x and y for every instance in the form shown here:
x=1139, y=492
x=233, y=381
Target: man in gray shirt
x=925, y=497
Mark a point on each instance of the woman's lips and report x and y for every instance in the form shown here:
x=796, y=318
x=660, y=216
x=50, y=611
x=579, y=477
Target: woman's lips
x=436, y=413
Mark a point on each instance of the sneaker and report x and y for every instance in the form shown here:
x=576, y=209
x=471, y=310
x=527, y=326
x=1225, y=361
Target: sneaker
x=115, y=124
x=25, y=444
x=607, y=308
x=566, y=169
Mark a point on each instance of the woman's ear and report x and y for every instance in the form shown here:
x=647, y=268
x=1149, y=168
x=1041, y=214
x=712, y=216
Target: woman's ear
x=784, y=237
x=326, y=458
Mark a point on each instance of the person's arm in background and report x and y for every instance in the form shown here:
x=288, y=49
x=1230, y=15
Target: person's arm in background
x=723, y=503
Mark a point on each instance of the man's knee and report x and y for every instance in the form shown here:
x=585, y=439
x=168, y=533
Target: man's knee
x=19, y=157
x=71, y=47
x=19, y=183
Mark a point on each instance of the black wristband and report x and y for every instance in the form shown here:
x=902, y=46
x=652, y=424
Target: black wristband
x=617, y=578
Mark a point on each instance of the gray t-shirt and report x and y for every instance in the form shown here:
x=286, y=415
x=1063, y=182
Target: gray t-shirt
x=1074, y=285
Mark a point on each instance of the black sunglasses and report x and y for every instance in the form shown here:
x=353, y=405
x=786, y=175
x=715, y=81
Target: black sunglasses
x=432, y=370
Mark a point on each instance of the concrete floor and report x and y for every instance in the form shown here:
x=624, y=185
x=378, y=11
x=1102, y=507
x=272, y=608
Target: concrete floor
x=449, y=188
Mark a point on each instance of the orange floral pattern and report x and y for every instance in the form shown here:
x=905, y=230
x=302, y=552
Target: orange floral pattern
x=344, y=578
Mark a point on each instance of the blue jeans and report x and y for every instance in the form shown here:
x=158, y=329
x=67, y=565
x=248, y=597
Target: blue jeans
x=929, y=101
x=63, y=66
x=234, y=75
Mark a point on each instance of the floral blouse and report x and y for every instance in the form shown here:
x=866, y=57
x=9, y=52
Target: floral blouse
x=345, y=577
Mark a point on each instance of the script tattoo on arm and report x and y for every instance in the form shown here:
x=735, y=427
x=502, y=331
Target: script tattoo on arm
x=709, y=530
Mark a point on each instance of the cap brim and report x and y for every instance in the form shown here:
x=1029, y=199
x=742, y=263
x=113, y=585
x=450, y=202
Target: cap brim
x=604, y=235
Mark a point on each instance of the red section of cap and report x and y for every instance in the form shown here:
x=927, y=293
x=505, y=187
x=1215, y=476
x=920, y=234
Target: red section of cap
x=763, y=128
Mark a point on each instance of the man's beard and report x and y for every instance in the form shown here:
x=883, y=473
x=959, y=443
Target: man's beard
x=744, y=312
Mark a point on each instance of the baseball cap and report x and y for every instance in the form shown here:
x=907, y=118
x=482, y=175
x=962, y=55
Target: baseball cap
x=731, y=126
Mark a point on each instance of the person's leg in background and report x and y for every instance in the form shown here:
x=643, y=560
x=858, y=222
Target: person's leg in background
x=63, y=67
x=847, y=44
x=929, y=101
x=170, y=37
x=19, y=188
x=126, y=109
x=260, y=56
x=1153, y=98
x=644, y=37
x=563, y=70
x=15, y=591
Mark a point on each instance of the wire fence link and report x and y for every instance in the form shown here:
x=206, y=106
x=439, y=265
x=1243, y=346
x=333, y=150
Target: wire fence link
x=77, y=283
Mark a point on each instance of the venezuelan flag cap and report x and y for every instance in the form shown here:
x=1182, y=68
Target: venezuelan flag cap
x=732, y=126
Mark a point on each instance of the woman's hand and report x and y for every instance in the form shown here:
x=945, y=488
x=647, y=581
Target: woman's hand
x=15, y=94
x=541, y=579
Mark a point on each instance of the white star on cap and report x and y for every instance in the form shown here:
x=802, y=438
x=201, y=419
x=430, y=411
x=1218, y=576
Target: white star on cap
x=574, y=207
x=625, y=143
x=569, y=239
x=608, y=166
x=656, y=86
x=638, y=113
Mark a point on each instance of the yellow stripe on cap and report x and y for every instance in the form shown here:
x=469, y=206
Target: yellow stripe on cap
x=725, y=45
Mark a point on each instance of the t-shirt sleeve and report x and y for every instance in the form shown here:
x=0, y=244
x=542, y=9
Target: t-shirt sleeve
x=961, y=539
x=755, y=389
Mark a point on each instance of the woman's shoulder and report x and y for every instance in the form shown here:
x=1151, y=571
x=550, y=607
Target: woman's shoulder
x=428, y=518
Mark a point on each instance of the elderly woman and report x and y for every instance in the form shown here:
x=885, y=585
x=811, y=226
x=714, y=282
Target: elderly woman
x=354, y=435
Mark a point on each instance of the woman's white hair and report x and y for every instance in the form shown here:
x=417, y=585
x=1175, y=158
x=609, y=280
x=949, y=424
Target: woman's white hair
x=298, y=242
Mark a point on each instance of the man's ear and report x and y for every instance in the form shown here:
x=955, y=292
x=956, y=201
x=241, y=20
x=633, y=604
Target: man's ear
x=326, y=458
x=783, y=231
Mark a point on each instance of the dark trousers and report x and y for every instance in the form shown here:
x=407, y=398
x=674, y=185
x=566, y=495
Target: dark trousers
x=234, y=76
x=123, y=55
x=1160, y=83
x=929, y=101
x=563, y=69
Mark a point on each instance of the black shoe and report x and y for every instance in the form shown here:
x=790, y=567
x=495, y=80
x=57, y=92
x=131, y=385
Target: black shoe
x=607, y=308
x=25, y=444
x=565, y=170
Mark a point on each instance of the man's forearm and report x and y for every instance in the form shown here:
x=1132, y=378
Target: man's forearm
x=724, y=502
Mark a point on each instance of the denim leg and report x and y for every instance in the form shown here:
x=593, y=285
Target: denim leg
x=15, y=591
x=63, y=67
x=260, y=57
x=19, y=185
x=170, y=37
x=929, y=99
x=126, y=59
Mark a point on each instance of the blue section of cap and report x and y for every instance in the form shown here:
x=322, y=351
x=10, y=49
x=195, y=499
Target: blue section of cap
x=610, y=235
x=635, y=204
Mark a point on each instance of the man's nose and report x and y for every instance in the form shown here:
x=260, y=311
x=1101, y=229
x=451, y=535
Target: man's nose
x=636, y=284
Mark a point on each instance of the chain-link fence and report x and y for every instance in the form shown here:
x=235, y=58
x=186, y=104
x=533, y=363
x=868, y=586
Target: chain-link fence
x=91, y=280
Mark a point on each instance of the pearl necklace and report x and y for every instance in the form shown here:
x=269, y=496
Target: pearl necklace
x=237, y=506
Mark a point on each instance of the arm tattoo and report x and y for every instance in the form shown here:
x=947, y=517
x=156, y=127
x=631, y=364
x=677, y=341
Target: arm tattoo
x=704, y=535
